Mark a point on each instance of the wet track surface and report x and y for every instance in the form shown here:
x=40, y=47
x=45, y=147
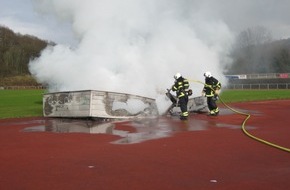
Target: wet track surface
x=163, y=153
x=141, y=129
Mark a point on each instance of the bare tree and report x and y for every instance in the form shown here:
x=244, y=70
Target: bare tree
x=16, y=50
x=254, y=36
x=250, y=52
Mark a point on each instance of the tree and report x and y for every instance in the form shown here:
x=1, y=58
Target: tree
x=16, y=50
x=281, y=62
x=254, y=36
x=250, y=53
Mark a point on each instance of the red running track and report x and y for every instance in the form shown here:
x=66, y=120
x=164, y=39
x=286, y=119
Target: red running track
x=165, y=153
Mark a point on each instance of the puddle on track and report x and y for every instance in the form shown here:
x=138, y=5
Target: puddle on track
x=144, y=129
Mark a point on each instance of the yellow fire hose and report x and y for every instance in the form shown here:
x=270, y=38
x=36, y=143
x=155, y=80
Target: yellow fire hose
x=244, y=124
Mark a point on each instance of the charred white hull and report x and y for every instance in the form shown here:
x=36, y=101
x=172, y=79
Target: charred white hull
x=97, y=104
x=195, y=104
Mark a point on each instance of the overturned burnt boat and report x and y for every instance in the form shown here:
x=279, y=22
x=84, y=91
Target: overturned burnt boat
x=97, y=104
x=195, y=104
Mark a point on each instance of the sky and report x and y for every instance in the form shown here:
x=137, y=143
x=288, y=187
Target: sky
x=22, y=16
x=136, y=46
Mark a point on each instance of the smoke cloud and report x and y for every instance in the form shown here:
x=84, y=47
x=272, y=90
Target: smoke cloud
x=133, y=46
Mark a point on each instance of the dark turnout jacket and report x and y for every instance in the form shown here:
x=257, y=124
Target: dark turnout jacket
x=210, y=86
x=180, y=86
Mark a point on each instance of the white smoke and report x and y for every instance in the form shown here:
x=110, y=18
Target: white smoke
x=132, y=46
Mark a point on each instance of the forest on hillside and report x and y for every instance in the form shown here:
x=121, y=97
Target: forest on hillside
x=16, y=51
x=253, y=52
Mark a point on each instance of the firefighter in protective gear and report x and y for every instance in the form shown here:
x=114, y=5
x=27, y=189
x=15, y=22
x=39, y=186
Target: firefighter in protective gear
x=181, y=87
x=211, y=92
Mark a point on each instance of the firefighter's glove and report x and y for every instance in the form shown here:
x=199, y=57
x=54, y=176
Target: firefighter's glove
x=215, y=98
x=217, y=92
x=189, y=92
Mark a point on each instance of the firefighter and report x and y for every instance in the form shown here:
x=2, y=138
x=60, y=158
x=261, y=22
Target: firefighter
x=181, y=87
x=211, y=90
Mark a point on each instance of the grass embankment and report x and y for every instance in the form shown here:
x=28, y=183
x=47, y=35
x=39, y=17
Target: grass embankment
x=28, y=103
x=23, y=80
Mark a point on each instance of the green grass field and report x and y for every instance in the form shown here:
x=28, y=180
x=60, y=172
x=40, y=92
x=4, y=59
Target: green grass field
x=28, y=103
x=20, y=103
x=253, y=95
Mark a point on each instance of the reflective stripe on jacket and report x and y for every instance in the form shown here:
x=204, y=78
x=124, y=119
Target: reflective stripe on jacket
x=180, y=86
x=211, y=84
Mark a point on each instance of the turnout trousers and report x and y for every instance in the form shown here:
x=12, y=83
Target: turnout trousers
x=183, y=106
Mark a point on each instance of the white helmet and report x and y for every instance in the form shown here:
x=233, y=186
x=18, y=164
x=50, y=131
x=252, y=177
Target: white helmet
x=207, y=74
x=177, y=76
